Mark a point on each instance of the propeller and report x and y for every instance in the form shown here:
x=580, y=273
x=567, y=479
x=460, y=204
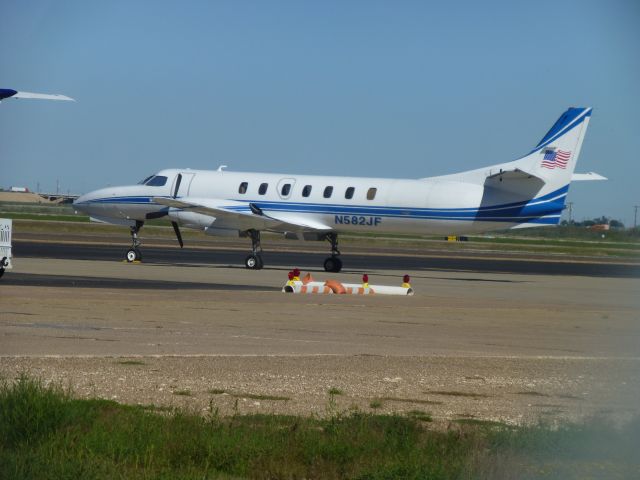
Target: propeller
x=176, y=229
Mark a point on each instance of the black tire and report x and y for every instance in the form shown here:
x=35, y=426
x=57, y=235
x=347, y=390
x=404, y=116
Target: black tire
x=338, y=265
x=138, y=254
x=332, y=264
x=131, y=255
x=253, y=262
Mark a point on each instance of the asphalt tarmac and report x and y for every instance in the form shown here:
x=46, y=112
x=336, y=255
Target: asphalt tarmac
x=312, y=261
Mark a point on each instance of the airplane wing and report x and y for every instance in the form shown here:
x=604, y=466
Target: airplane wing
x=10, y=93
x=242, y=215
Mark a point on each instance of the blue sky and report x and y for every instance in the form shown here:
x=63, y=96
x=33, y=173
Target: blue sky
x=390, y=89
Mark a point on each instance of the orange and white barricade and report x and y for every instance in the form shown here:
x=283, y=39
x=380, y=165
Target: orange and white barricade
x=308, y=285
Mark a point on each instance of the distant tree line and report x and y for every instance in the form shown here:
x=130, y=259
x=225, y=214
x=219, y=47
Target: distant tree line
x=612, y=222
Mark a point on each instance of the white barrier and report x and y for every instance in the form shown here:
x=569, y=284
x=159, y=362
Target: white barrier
x=333, y=287
x=6, y=256
x=380, y=289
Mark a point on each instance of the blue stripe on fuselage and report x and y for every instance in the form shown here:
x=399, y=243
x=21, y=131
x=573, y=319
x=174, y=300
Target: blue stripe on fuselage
x=549, y=204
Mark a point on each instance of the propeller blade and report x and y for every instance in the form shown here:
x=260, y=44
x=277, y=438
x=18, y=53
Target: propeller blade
x=176, y=229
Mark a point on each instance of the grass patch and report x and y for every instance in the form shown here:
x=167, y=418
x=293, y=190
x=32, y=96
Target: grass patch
x=456, y=394
x=46, y=433
x=43, y=216
x=375, y=403
x=130, y=362
x=250, y=396
x=480, y=422
x=412, y=400
x=420, y=415
x=335, y=391
x=254, y=396
x=155, y=408
x=216, y=391
x=183, y=393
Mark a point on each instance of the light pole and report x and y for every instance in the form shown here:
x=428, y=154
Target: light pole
x=635, y=215
x=570, y=208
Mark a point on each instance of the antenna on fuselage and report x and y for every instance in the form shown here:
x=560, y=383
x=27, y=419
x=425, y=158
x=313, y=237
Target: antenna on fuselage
x=221, y=168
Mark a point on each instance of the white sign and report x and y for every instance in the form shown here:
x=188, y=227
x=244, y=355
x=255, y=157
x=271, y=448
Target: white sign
x=5, y=241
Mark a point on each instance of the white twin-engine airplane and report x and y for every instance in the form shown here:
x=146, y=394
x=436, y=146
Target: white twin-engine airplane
x=527, y=192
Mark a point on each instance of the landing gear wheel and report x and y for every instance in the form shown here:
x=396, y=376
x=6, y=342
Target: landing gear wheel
x=133, y=254
x=254, y=262
x=332, y=264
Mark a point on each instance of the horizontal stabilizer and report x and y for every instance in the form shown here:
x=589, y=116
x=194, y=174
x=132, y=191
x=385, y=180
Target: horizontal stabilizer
x=590, y=176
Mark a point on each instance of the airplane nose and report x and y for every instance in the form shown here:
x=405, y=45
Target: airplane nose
x=83, y=202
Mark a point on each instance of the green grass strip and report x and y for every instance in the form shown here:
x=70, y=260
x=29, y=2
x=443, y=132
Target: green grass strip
x=46, y=433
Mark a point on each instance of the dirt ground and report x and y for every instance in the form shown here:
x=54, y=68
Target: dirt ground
x=512, y=348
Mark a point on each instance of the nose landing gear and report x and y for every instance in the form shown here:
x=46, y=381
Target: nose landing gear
x=254, y=261
x=133, y=254
x=333, y=263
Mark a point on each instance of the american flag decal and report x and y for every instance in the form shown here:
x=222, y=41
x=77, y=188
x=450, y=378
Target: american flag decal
x=555, y=159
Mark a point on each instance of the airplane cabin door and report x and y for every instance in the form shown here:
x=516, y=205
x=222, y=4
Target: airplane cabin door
x=182, y=185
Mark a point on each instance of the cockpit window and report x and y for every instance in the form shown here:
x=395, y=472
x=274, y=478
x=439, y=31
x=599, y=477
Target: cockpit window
x=156, y=181
x=142, y=182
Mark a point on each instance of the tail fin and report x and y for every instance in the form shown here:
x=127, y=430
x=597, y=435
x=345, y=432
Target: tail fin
x=552, y=162
x=540, y=180
x=555, y=157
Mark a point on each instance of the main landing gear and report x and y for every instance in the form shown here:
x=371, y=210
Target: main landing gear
x=133, y=254
x=254, y=261
x=333, y=263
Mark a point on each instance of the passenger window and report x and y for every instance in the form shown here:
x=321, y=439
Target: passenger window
x=263, y=188
x=243, y=187
x=306, y=191
x=157, y=181
x=327, y=192
x=286, y=188
x=371, y=193
x=349, y=193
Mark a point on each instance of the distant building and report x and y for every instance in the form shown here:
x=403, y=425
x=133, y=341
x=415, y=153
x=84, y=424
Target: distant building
x=19, y=189
x=600, y=227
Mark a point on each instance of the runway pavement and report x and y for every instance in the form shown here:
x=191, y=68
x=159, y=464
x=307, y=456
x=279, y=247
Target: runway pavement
x=483, y=338
x=353, y=261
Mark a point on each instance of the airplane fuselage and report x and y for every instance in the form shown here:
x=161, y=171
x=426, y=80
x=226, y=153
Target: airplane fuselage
x=341, y=204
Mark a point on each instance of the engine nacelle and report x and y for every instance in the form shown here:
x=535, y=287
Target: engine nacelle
x=191, y=219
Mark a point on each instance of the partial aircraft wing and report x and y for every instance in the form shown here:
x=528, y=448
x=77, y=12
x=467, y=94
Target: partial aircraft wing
x=10, y=93
x=243, y=216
